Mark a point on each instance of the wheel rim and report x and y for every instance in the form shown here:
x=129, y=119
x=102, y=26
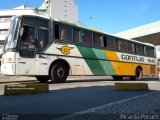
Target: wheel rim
x=60, y=72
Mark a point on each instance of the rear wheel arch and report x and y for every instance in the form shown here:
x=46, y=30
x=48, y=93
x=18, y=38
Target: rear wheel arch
x=139, y=67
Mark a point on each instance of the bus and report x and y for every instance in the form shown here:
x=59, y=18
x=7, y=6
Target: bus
x=52, y=50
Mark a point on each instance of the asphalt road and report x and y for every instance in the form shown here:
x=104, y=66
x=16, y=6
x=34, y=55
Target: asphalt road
x=67, y=98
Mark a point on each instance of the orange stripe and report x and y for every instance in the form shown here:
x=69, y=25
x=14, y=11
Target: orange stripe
x=112, y=55
x=124, y=68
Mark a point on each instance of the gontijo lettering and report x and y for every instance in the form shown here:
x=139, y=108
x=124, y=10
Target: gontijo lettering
x=132, y=58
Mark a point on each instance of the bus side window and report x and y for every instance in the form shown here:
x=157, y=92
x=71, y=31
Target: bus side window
x=76, y=36
x=65, y=33
x=152, y=52
x=144, y=50
x=97, y=40
x=134, y=48
x=27, y=42
x=117, y=44
x=124, y=46
x=56, y=29
x=110, y=41
x=43, y=40
x=105, y=41
x=140, y=50
x=87, y=37
x=130, y=47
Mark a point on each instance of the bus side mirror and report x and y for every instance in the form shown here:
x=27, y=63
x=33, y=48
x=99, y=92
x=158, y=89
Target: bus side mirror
x=21, y=32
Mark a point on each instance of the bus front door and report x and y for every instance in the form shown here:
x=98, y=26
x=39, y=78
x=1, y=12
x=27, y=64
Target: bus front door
x=26, y=59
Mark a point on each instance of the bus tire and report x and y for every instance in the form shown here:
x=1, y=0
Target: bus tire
x=117, y=77
x=139, y=74
x=42, y=79
x=59, y=72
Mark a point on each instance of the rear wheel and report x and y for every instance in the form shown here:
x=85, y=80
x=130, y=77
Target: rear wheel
x=42, y=79
x=138, y=75
x=117, y=77
x=59, y=72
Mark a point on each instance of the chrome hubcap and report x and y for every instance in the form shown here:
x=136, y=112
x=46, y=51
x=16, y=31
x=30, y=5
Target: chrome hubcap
x=60, y=72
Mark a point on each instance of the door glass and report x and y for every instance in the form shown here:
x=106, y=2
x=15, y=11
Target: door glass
x=42, y=39
x=27, y=42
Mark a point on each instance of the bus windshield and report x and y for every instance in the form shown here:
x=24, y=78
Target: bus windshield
x=13, y=34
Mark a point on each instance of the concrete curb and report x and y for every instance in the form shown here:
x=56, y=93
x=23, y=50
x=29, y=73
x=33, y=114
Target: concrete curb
x=28, y=88
x=131, y=86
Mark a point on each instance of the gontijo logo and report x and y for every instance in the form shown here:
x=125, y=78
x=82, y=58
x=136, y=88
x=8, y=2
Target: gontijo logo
x=65, y=50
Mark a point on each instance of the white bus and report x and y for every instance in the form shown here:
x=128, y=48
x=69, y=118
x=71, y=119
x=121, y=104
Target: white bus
x=49, y=49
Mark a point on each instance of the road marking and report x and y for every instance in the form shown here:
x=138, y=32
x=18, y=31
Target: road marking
x=101, y=107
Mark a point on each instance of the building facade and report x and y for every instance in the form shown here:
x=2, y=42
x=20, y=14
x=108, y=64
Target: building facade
x=65, y=10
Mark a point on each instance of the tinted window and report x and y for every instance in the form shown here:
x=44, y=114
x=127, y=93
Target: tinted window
x=27, y=43
x=56, y=31
x=123, y=46
x=140, y=49
x=105, y=41
x=97, y=40
x=76, y=36
x=87, y=37
x=110, y=41
x=42, y=39
x=66, y=33
x=152, y=52
x=36, y=22
x=117, y=44
x=130, y=47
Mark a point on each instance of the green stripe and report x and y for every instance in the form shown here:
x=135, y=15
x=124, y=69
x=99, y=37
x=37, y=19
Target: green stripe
x=106, y=65
x=94, y=65
x=98, y=67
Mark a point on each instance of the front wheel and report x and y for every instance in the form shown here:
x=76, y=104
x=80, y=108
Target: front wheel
x=59, y=72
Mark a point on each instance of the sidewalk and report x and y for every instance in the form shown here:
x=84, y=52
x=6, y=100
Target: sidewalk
x=144, y=107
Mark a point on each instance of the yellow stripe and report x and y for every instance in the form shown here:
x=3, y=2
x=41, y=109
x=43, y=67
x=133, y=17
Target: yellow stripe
x=112, y=55
x=124, y=68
